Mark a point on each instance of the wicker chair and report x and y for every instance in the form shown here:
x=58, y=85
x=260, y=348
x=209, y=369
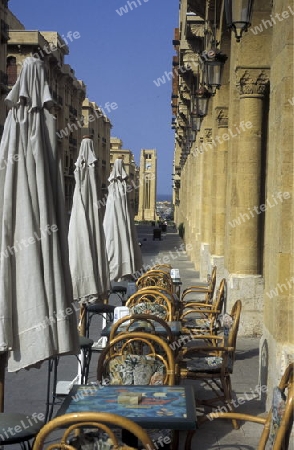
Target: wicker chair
x=213, y=364
x=277, y=425
x=137, y=350
x=201, y=318
x=152, y=301
x=75, y=422
x=156, y=278
x=162, y=267
x=201, y=292
x=138, y=358
x=140, y=322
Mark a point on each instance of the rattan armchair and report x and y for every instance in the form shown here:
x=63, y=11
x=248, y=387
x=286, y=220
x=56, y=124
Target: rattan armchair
x=201, y=318
x=201, y=292
x=213, y=364
x=152, y=301
x=277, y=424
x=156, y=278
x=75, y=422
x=136, y=358
x=163, y=267
x=140, y=322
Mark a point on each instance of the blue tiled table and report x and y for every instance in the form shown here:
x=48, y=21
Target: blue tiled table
x=171, y=407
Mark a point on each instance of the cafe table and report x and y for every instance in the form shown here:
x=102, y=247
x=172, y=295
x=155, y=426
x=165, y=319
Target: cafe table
x=160, y=407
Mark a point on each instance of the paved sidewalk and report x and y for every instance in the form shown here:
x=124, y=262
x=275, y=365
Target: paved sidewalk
x=216, y=434
x=25, y=391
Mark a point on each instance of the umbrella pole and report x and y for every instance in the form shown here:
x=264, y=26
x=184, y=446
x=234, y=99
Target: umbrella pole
x=82, y=321
x=3, y=359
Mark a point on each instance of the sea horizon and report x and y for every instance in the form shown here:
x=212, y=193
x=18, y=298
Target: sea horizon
x=164, y=197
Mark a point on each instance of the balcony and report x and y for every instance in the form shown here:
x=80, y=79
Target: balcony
x=4, y=31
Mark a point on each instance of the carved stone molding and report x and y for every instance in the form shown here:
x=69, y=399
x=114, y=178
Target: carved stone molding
x=252, y=82
x=185, y=92
x=208, y=134
x=222, y=117
x=191, y=61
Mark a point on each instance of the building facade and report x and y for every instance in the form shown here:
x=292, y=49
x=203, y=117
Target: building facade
x=116, y=151
x=233, y=162
x=147, y=185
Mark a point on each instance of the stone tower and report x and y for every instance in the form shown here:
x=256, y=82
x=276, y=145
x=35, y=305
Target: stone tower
x=147, y=186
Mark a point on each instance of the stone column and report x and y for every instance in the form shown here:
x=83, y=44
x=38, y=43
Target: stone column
x=243, y=254
x=218, y=193
x=206, y=212
x=220, y=183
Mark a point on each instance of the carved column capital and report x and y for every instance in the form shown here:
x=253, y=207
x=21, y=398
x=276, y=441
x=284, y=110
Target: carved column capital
x=252, y=82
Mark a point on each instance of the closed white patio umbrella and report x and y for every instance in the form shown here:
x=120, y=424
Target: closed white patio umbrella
x=87, y=248
x=37, y=318
x=123, y=250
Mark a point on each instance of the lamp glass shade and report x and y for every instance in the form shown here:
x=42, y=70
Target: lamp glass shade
x=201, y=103
x=238, y=15
x=195, y=122
x=213, y=72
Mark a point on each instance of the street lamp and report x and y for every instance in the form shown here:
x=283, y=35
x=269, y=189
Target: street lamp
x=213, y=61
x=201, y=97
x=238, y=16
x=195, y=122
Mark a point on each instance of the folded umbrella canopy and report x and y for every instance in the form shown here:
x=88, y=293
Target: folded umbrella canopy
x=123, y=250
x=87, y=248
x=37, y=318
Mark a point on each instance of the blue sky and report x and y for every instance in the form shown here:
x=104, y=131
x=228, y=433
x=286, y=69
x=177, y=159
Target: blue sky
x=118, y=55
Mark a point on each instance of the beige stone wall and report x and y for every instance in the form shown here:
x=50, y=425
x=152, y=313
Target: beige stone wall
x=279, y=232
x=235, y=192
